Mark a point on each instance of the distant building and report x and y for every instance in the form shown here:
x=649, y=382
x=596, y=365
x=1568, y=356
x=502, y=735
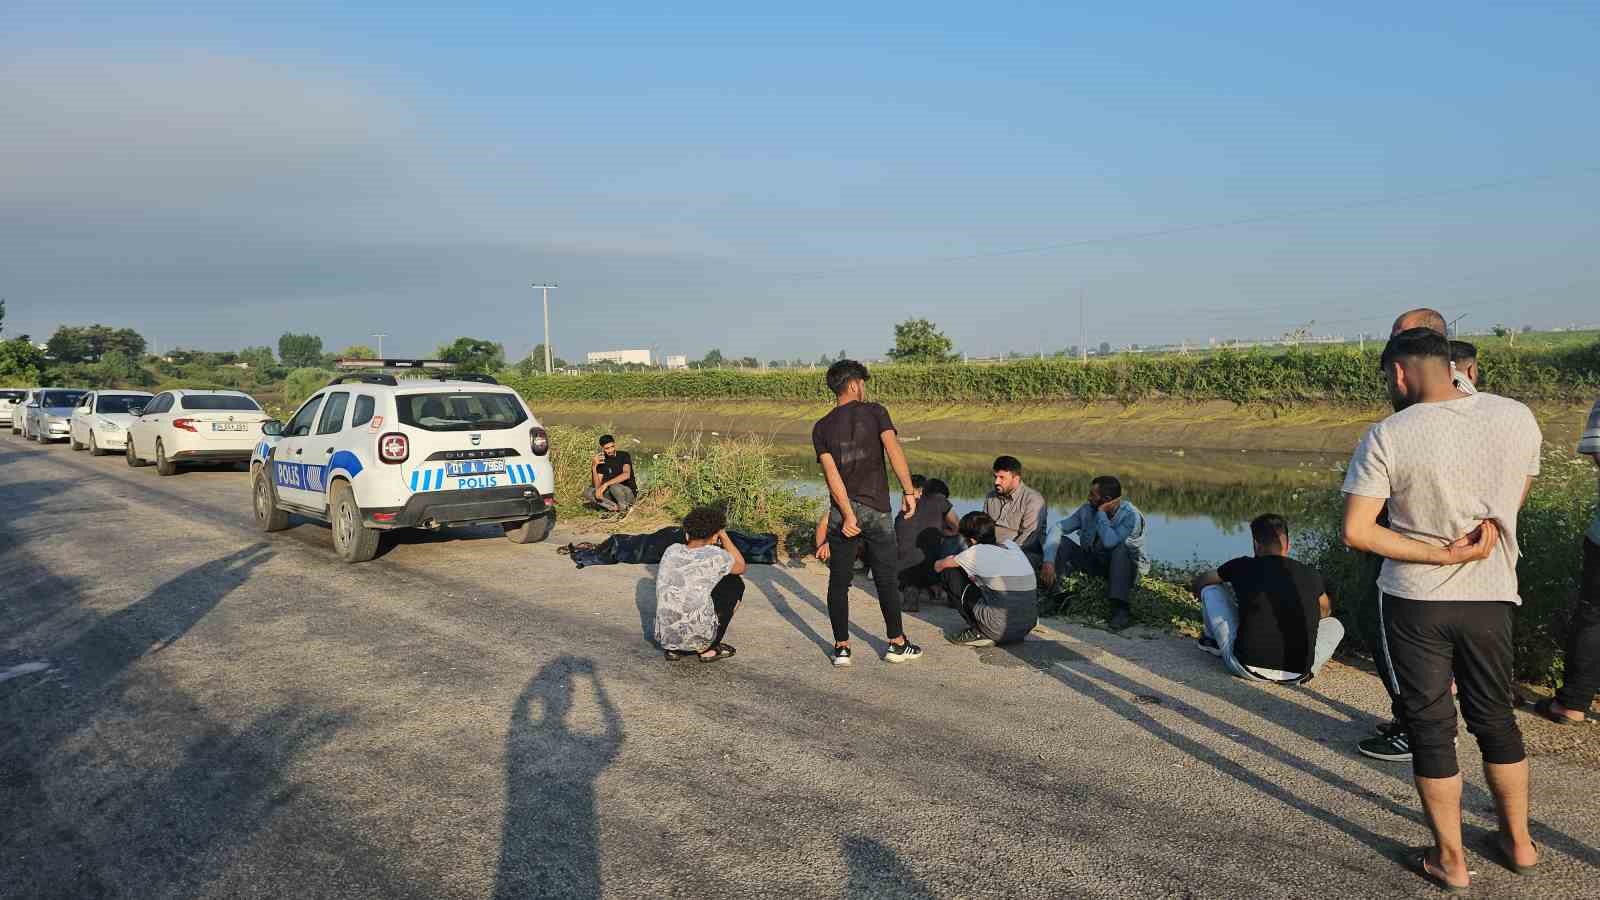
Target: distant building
x=677, y=362
x=621, y=357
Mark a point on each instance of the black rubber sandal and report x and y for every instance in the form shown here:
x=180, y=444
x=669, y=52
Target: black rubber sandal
x=1543, y=709
x=1420, y=864
x=675, y=655
x=1509, y=861
x=723, y=652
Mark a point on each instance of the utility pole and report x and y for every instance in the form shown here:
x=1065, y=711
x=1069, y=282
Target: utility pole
x=546, y=286
x=1450, y=329
x=380, y=335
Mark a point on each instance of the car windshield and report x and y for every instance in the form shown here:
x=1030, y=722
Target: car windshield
x=61, y=399
x=460, y=411
x=219, y=401
x=12, y=396
x=118, y=403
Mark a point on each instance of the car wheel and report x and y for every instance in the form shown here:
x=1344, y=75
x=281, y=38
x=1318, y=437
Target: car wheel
x=352, y=539
x=268, y=516
x=164, y=466
x=533, y=530
x=132, y=455
x=94, y=446
x=72, y=441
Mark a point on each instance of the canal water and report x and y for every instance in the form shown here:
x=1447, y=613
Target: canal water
x=1198, y=503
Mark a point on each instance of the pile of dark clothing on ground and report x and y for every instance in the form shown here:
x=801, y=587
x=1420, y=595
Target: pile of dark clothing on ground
x=646, y=549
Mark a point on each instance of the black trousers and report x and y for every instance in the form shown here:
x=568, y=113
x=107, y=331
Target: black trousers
x=1582, y=679
x=883, y=557
x=1371, y=625
x=1116, y=565
x=1428, y=643
x=725, y=599
x=963, y=594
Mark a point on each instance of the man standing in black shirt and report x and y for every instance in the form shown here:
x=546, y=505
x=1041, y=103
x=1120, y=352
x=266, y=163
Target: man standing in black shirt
x=1276, y=623
x=613, y=486
x=851, y=442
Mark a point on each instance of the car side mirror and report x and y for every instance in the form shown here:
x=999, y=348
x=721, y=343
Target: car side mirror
x=272, y=428
x=136, y=411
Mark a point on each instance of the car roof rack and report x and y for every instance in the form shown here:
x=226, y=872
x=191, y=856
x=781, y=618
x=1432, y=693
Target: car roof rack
x=388, y=363
x=364, y=378
x=478, y=377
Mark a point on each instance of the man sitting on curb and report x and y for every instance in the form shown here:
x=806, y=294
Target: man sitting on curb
x=613, y=488
x=1110, y=544
x=1266, y=615
x=992, y=584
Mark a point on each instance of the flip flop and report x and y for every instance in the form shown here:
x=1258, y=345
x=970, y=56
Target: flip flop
x=1509, y=861
x=723, y=652
x=1543, y=709
x=1419, y=864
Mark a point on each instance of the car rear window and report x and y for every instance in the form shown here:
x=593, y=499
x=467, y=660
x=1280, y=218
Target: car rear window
x=56, y=399
x=219, y=402
x=118, y=403
x=460, y=411
x=13, y=396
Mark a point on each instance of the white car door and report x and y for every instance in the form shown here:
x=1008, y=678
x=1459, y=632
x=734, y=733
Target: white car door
x=290, y=461
x=147, y=428
x=83, y=419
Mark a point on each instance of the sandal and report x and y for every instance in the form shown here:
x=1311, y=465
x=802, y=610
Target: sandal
x=1509, y=861
x=723, y=652
x=1543, y=709
x=1420, y=864
x=675, y=655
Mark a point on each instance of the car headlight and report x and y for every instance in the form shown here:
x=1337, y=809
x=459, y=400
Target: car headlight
x=109, y=425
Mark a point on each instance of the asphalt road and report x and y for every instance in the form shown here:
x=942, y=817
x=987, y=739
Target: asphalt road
x=222, y=713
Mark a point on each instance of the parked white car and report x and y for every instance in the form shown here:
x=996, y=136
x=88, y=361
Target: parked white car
x=12, y=402
x=101, y=421
x=47, y=416
x=179, y=427
x=371, y=453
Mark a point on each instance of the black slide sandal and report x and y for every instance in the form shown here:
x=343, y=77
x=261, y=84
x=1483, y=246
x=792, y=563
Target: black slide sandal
x=1543, y=709
x=723, y=652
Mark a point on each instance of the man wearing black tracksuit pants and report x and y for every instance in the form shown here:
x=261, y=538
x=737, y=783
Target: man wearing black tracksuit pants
x=1581, y=676
x=1454, y=470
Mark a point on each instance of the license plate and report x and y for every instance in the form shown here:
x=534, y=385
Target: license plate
x=228, y=426
x=475, y=467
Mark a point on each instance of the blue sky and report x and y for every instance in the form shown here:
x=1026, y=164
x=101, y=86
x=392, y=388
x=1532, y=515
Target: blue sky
x=784, y=185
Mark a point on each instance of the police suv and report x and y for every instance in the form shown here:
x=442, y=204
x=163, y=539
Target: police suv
x=371, y=453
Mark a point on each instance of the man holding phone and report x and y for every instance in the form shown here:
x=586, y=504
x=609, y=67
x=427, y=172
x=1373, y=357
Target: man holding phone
x=613, y=487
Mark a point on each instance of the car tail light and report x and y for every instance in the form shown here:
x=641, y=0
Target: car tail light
x=549, y=499
x=183, y=424
x=394, y=447
x=539, y=441
x=383, y=517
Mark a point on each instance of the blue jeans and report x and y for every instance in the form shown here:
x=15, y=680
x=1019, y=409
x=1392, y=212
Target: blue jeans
x=1221, y=616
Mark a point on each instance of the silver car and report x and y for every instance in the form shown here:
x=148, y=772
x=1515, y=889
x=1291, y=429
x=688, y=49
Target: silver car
x=49, y=414
x=12, y=402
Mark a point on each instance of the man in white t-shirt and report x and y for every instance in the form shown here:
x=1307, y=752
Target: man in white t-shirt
x=1454, y=470
x=698, y=588
x=992, y=584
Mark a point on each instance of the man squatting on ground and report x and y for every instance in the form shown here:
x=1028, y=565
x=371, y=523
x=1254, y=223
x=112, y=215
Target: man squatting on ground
x=1110, y=544
x=1454, y=470
x=1581, y=676
x=1268, y=616
x=992, y=584
x=698, y=588
x=851, y=442
x=613, y=487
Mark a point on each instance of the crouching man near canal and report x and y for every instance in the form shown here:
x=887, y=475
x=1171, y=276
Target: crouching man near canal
x=613, y=487
x=992, y=584
x=851, y=442
x=1268, y=616
x=698, y=588
x=1455, y=470
x=1110, y=544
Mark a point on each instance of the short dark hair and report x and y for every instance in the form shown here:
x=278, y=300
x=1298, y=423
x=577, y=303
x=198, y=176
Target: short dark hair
x=1415, y=344
x=1461, y=351
x=1008, y=464
x=1269, y=529
x=936, y=486
x=704, y=521
x=976, y=526
x=1110, y=487
x=919, y=482
x=607, y=439
x=841, y=373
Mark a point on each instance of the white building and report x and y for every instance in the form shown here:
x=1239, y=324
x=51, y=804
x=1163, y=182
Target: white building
x=621, y=357
x=677, y=362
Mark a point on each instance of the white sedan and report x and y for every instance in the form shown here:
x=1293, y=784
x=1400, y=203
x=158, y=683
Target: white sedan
x=100, y=423
x=194, y=426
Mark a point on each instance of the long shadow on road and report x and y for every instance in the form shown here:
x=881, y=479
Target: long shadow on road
x=550, y=843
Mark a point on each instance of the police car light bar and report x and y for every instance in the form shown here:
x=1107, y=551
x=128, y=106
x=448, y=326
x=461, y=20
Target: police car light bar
x=393, y=364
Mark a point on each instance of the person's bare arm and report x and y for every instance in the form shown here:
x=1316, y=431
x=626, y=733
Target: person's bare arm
x=949, y=562
x=1204, y=580
x=732, y=549
x=841, y=497
x=594, y=474
x=822, y=536
x=627, y=472
x=897, y=461
x=1325, y=606
x=1362, y=532
x=952, y=525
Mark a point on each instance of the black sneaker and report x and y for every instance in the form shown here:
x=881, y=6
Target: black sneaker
x=841, y=657
x=1120, y=618
x=1208, y=645
x=906, y=652
x=1392, y=747
x=970, y=637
